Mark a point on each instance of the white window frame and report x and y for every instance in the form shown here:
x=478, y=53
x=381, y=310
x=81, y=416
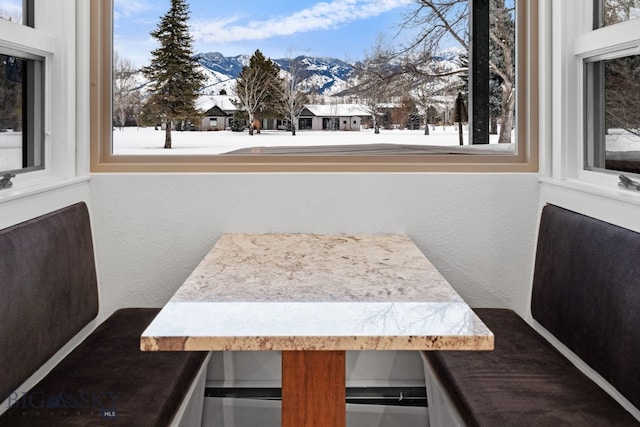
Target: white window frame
x=575, y=43
x=52, y=37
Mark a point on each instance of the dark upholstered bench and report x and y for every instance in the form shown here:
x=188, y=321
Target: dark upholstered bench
x=49, y=294
x=586, y=293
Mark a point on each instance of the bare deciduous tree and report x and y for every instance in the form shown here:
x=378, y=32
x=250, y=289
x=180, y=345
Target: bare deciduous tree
x=291, y=100
x=257, y=86
x=622, y=94
x=376, y=76
x=126, y=90
x=440, y=20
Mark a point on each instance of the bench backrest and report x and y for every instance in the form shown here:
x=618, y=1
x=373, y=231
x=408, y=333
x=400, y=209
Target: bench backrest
x=586, y=292
x=48, y=290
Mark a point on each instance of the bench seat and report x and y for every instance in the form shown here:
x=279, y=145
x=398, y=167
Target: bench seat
x=525, y=381
x=586, y=294
x=107, y=380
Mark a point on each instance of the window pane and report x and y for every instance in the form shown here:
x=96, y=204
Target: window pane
x=610, y=12
x=613, y=125
x=431, y=106
x=18, y=11
x=11, y=10
x=21, y=136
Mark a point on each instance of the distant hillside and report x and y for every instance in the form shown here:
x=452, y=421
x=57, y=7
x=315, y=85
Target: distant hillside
x=321, y=75
x=326, y=76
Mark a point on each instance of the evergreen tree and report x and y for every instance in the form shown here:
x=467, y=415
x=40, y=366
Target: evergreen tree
x=257, y=87
x=175, y=79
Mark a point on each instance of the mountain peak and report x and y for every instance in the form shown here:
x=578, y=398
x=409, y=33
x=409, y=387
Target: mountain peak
x=318, y=74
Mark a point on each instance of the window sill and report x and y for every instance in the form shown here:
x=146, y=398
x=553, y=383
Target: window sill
x=26, y=190
x=602, y=190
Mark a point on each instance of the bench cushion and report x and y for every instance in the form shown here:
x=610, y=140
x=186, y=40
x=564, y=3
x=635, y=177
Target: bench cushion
x=48, y=290
x=586, y=292
x=525, y=381
x=107, y=380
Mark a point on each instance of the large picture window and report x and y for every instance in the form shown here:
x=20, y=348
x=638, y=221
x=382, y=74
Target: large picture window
x=402, y=106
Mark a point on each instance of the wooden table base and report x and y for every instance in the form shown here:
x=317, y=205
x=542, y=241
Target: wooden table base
x=313, y=389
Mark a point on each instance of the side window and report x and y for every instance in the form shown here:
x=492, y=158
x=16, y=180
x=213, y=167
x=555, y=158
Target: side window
x=21, y=97
x=612, y=90
x=21, y=91
x=41, y=83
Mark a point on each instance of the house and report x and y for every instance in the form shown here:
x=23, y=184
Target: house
x=216, y=119
x=219, y=111
x=347, y=117
x=154, y=218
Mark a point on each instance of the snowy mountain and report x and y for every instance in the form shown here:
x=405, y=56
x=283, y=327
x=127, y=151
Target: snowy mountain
x=321, y=75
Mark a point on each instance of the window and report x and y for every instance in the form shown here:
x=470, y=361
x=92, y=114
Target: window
x=610, y=65
x=21, y=89
x=521, y=155
x=21, y=135
x=609, y=12
x=37, y=48
x=613, y=114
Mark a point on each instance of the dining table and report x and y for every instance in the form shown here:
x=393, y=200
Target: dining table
x=313, y=297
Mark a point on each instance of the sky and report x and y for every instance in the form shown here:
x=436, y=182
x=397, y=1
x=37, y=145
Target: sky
x=344, y=29
x=11, y=7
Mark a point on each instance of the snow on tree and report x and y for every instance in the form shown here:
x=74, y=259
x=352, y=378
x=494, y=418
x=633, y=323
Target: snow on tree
x=173, y=73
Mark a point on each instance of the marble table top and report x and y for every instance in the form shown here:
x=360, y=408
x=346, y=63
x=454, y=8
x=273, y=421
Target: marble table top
x=316, y=292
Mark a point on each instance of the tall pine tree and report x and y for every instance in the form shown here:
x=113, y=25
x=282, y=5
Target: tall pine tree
x=175, y=79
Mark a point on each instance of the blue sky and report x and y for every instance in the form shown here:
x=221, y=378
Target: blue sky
x=11, y=7
x=339, y=28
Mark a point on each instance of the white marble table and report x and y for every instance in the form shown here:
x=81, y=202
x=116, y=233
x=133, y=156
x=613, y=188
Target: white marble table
x=314, y=297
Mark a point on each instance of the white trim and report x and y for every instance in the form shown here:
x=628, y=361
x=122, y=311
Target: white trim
x=192, y=407
x=52, y=38
x=38, y=186
x=623, y=35
x=573, y=44
x=442, y=410
x=26, y=39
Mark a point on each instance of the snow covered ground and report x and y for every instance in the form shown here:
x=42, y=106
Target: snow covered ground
x=150, y=141
x=621, y=140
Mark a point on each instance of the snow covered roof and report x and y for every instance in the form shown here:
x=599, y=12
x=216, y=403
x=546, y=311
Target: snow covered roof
x=337, y=110
x=206, y=102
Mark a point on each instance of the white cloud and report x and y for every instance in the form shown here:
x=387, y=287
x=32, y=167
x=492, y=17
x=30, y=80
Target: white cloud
x=321, y=16
x=130, y=8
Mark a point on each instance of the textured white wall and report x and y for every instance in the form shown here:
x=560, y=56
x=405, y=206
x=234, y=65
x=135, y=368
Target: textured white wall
x=30, y=206
x=151, y=230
